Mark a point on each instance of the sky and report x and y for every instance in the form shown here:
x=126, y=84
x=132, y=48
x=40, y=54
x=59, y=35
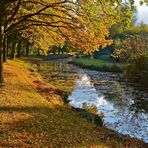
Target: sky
x=142, y=15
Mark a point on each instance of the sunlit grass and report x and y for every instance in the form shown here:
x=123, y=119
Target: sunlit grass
x=99, y=64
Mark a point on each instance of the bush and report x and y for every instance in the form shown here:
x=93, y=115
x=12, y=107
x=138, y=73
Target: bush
x=90, y=112
x=137, y=71
x=115, y=68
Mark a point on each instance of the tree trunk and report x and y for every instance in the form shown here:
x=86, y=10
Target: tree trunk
x=7, y=48
x=91, y=56
x=27, y=49
x=38, y=52
x=13, y=47
x=1, y=66
x=59, y=50
x=19, y=49
x=4, y=48
x=1, y=55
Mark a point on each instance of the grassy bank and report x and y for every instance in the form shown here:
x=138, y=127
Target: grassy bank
x=98, y=64
x=32, y=114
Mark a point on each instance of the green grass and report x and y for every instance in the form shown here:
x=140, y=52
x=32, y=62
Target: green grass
x=99, y=64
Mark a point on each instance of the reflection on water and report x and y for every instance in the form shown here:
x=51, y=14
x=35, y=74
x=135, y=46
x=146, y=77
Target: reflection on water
x=124, y=111
x=125, y=106
x=59, y=74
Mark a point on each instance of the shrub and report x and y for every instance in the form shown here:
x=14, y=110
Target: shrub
x=116, y=68
x=92, y=115
x=137, y=71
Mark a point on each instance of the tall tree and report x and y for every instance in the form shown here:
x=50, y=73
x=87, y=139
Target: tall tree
x=84, y=25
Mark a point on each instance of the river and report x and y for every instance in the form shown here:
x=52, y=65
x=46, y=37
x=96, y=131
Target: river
x=124, y=105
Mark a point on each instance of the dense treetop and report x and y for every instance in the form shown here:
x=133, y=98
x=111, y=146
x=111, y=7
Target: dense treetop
x=84, y=24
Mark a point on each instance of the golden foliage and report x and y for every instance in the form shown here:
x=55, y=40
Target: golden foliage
x=84, y=24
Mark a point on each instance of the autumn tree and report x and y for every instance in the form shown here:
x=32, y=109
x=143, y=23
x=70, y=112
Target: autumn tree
x=18, y=15
x=132, y=47
x=84, y=24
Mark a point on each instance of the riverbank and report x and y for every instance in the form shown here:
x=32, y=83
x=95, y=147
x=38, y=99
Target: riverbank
x=98, y=64
x=32, y=113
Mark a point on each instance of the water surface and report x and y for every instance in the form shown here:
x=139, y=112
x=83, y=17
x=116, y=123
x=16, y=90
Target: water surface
x=125, y=105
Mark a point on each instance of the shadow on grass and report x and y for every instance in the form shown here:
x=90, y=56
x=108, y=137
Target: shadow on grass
x=45, y=126
x=58, y=127
x=23, y=109
x=50, y=127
